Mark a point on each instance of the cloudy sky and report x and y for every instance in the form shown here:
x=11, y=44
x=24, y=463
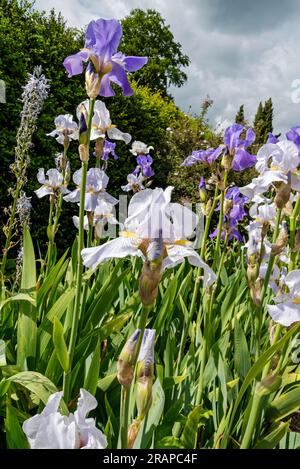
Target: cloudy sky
x=241, y=51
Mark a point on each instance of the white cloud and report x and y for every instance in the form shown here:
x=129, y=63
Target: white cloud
x=238, y=55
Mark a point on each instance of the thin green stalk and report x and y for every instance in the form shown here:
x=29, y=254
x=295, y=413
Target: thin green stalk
x=126, y=392
x=272, y=257
x=256, y=404
x=9, y=233
x=293, y=220
x=221, y=216
x=207, y=328
x=190, y=316
x=264, y=297
x=207, y=223
x=79, y=273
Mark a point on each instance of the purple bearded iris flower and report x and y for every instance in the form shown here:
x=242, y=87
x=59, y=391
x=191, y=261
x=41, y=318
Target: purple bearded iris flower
x=294, y=136
x=234, y=212
x=204, y=156
x=100, y=49
x=236, y=147
x=144, y=165
x=108, y=148
x=233, y=146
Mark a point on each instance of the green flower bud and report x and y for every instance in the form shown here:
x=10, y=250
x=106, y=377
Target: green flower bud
x=125, y=366
x=145, y=368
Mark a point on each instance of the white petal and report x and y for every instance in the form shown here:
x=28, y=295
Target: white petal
x=95, y=134
x=73, y=196
x=184, y=220
x=92, y=437
x=289, y=159
x=285, y=313
x=126, y=188
x=56, y=432
x=90, y=202
x=64, y=190
x=264, y=154
x=116, y=248
x=105, y=196
x=77, y=177
x=295, y=182
x=44, y=190
x=55, y=177
x=85, y=404
x=85, y=222
x=176, y=255
x=101, y=115
x=292, y=280
x=116, y=134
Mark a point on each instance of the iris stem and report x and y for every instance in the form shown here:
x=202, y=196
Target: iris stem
x=79, y=273
x=221, y=216
x=208, y=222
x=126, y=392
x=256, y=407
x=9, y=233
x=208, y=321
x=293, y=220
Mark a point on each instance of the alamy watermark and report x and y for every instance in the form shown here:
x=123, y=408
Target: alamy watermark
x=295, y=94
x=2, y=92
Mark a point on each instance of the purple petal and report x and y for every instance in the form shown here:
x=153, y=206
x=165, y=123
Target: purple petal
x=232, y=135
x=134, y=63
x=233, y=193
x=237, y=235
x=104, y=37
x=243, y=160
x=294, y=135
x=202, y=184
x=74, y=63
x=118, y=76
x=273, y=139
x=106, y=89
x=214, y=234
x=214, y=154
x=250, y=137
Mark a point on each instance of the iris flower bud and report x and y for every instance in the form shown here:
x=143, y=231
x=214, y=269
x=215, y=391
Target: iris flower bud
x=125, y=366
x=283, y=195
x=145, y=368
x=92, y=83
x=132, y=432
x=281, y=241
x=152, y=272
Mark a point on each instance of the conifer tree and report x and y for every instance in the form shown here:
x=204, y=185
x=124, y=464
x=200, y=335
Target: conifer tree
x=268, y=118
x=240, y=116
x=258, y=124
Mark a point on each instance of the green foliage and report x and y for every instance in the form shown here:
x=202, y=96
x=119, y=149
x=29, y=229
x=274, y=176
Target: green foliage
x=240, y=116
x=263, y=122
x=145, y=33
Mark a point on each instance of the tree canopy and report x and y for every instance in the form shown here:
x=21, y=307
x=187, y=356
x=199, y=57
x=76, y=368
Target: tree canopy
x=146, y=33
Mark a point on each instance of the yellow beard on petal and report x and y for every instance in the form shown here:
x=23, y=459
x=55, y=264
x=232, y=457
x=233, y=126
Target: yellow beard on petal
x=296, y=300
x=182, y=242
x=127, y=234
